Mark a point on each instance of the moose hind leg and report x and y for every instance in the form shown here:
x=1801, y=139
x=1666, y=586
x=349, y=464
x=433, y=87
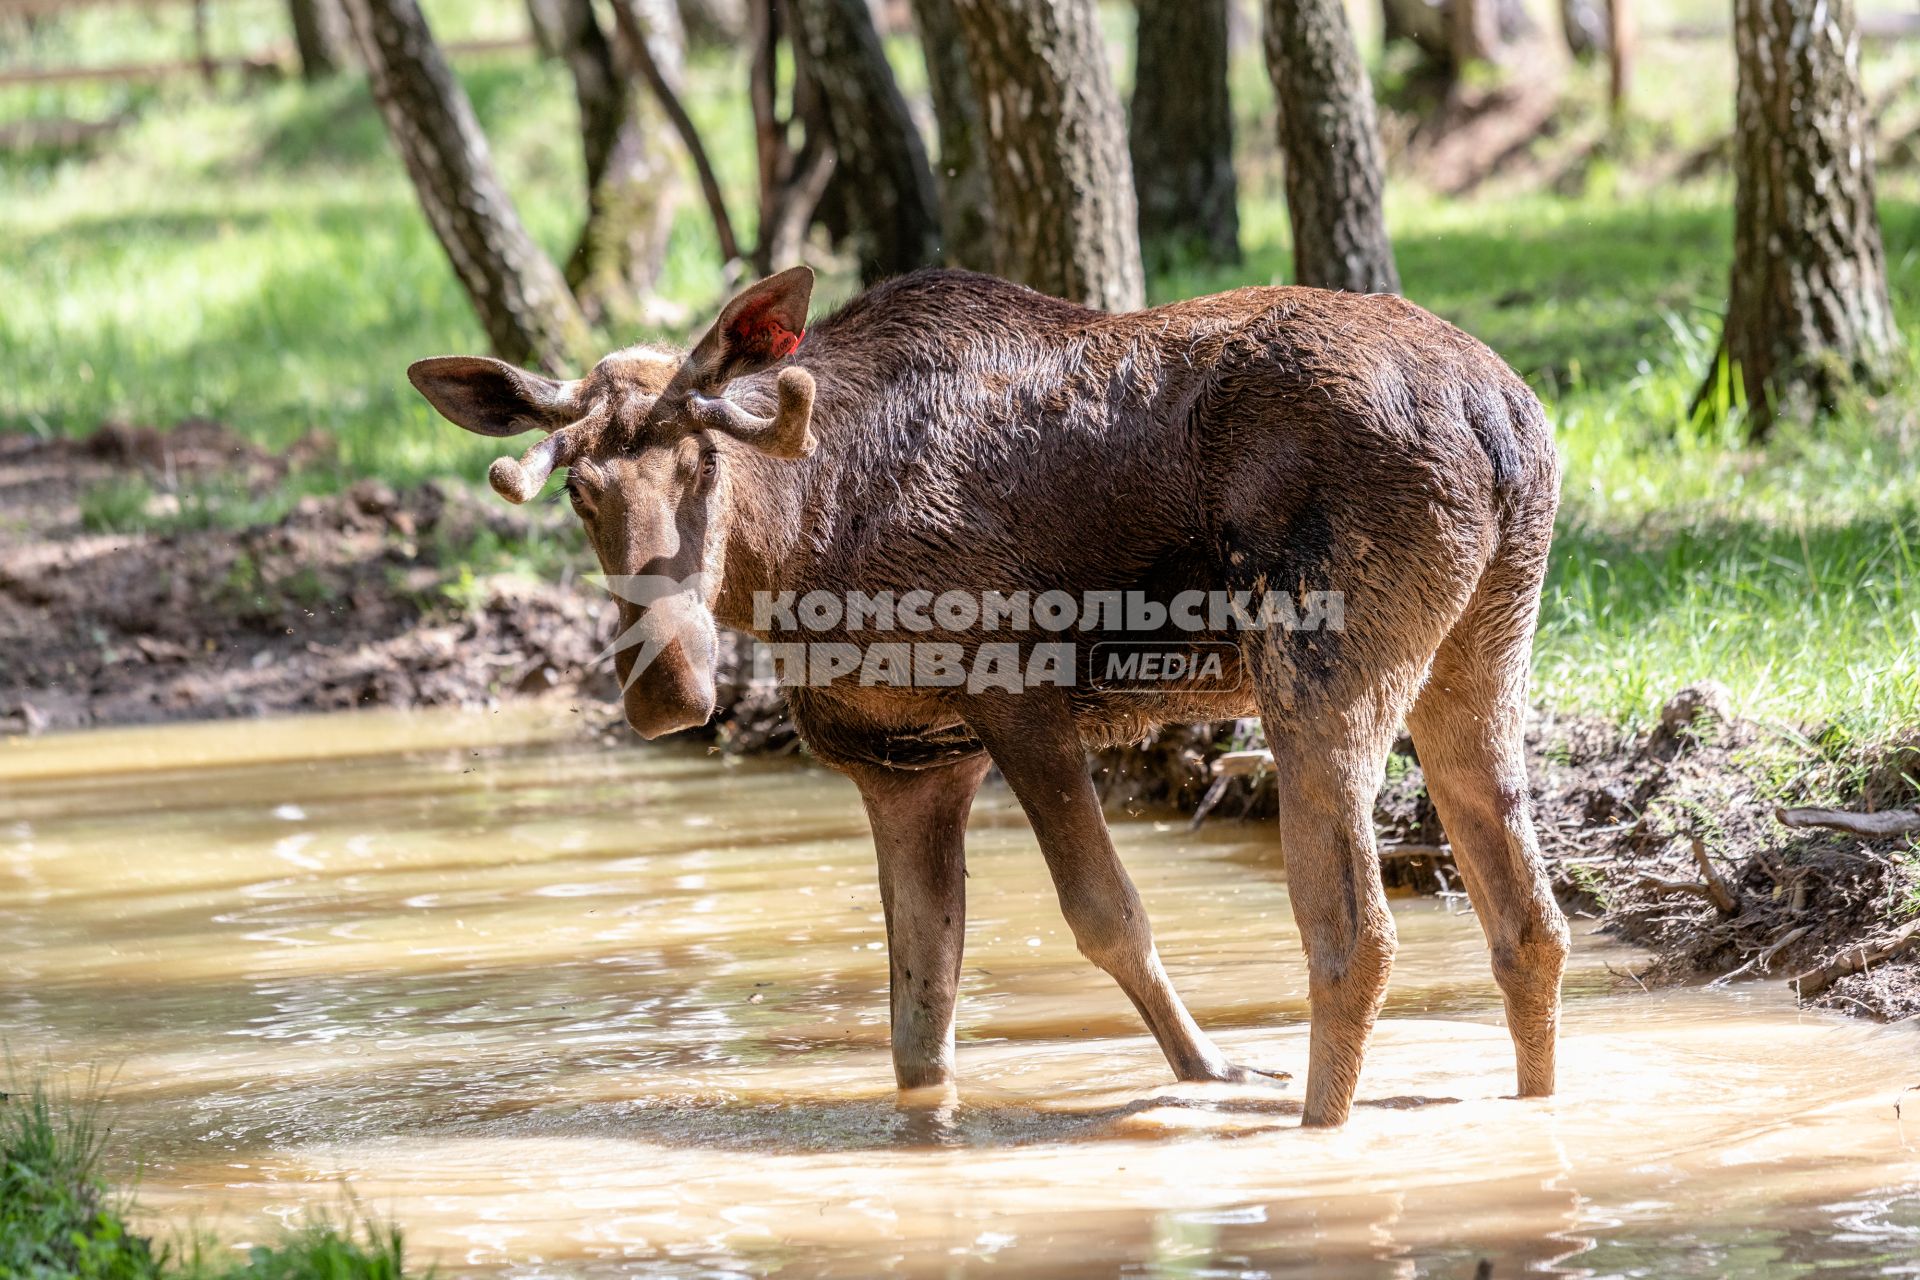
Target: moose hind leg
x=1329, y=760
x=1467, y=728
x=919, y=821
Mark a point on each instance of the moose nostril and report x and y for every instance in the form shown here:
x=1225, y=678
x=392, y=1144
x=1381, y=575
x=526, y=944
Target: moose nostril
x=671, y=694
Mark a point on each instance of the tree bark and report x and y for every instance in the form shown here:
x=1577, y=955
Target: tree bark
x=1483, y=30
x=1473, y=30
x=1808, y=311
x=1583, y=23
x=598, y=88
x=1180, y=133
x=713, y=22
x=1451, y=34
x=521, y=299
x=1332, y=146
x=1426, y=23
x=629, y=183
x=966, y=194
x=316, y=37
x=1620, y=47
x=896, y=216
x=1065, y=221
x=632, y=184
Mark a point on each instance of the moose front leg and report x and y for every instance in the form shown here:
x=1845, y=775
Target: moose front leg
x=919, y=820
x=1033, y=739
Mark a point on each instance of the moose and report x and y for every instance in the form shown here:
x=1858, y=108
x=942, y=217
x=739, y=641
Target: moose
x=946, y=430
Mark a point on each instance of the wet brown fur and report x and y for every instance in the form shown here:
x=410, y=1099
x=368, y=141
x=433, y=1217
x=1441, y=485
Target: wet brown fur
x=975, y=435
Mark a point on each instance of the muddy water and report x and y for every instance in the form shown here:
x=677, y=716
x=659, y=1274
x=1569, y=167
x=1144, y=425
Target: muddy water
x=561, y=1009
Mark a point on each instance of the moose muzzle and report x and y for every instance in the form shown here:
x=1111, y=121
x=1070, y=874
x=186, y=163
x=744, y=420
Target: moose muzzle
x=665, y=664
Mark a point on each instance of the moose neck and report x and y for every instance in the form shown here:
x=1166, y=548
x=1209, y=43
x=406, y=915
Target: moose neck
x=766, y=532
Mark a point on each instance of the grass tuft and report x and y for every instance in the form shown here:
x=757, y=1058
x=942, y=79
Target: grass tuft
x=60, y=1220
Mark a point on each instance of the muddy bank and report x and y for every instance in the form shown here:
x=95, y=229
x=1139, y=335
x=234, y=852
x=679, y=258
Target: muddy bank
x=149, y=576
x=128, y=594
x=1670, y=838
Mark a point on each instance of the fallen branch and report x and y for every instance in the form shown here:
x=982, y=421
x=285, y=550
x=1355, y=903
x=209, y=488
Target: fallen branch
x=1212, y=798
x=1788, y=939
x=1408, y=849
x=1888, y=822
x=1238, y=764
x=1233, y=764
x=1762, y=959
x=1722, y=897
x=1854, y=960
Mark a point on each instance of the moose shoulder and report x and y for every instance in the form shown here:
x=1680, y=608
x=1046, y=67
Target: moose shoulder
x=980, y=524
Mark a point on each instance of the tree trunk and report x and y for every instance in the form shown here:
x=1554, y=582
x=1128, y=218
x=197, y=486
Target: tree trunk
x=598, y=88
x=1584, y=25
x=896, y=216
x=713, y=22
x=1452, y=34
x=316, y=36
x=1483, y=30
x=966, y=196
x=1181, y=133
x=522, y=302
x=1064, y=215
x=1332, y=147
x=1425, y=23
x=1808, y=312
x=1620, y=46
x=631, y=180
x=629, y=183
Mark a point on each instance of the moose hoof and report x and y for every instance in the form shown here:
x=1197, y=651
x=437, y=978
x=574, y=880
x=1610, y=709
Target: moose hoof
x=1255, y=1075
x=1231, y=1073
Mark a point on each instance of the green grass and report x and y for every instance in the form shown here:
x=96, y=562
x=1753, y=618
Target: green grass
x=254, y=254
x=59, y=1220
x=118, y=505
x=56, y=1216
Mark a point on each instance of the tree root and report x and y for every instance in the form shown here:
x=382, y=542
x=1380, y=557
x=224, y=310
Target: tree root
x=1889, y=822
x=1855, y=960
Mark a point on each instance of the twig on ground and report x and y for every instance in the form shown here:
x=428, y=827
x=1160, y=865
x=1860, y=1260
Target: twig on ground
x=1888, y=822
x=1717, y=890
x=1785, y=940
x=1693, y=887
x=1764, y=957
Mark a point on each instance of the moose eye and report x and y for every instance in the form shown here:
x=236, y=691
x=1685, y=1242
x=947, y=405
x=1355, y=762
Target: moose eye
x=577, y=495
x=709, y=467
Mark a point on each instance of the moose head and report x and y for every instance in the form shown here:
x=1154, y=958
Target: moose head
x=652, y=448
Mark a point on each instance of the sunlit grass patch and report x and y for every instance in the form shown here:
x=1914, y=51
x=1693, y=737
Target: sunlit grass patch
x=61, y=1220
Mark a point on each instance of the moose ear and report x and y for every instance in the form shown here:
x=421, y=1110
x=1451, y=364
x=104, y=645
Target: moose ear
x=492, y=398
x=761, y=325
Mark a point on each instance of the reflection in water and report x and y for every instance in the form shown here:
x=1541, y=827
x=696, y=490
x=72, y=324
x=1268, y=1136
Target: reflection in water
x=561, y=1008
